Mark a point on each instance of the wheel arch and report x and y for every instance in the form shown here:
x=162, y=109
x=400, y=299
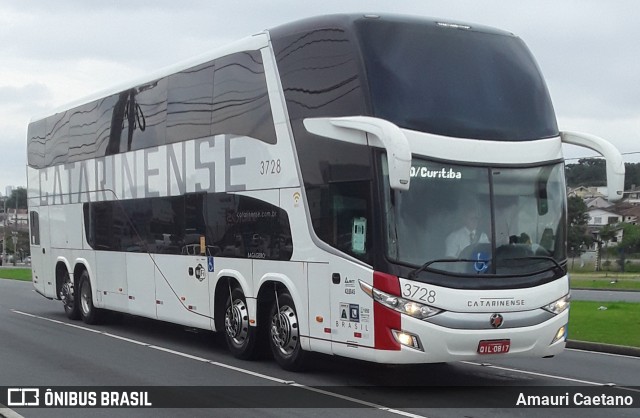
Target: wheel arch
x=266, y=296
x=81, y=266
x=62, y=266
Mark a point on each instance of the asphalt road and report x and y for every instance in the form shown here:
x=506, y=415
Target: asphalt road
x=39, y=346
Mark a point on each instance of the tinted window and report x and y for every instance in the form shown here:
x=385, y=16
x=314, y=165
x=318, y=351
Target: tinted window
x=139, y=118
x=106, y=226
x=180, y=107
x=36, y=143
x=229, y=225
x=57, y=139
x=34, y=226
x=320, y=73
x=241, y=102
x=341, y=216
x=190, y=104
x=320, y=77
x=105, y=121
x=82, y=132
x=455, y=82
x=244, y=227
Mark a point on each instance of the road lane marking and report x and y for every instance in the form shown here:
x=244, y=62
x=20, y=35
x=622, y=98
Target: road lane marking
x=179, y=353
x=227, y=366
x=602, y=353
x=551, y=376
x=8, y=413
x=252, y=373
x=587, y=382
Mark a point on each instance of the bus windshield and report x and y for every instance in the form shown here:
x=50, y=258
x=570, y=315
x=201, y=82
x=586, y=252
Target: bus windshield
x=478, y=220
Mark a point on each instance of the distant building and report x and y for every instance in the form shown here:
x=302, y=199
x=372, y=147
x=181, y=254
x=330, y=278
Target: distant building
x=8, y=190
x=630, y=214
x=585, y=192
x=632, y=195
x=601, y=217
x=21, y=219
x=597, y=202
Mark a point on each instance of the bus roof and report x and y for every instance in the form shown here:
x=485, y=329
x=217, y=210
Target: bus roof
x=347, y=21
x=260, y=40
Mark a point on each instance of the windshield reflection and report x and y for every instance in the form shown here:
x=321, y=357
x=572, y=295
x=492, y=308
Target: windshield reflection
x=478, y=220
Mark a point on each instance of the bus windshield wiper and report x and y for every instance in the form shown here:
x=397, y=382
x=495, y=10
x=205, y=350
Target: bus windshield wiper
x=426, y=266
x=414, y=273
x=534, y=257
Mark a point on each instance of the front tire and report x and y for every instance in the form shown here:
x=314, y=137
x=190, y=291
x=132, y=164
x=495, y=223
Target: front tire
x=284, y=335
x=88, y=312
x=67, y=295
x=239, y=335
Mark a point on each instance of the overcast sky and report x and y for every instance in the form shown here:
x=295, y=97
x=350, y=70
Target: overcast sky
x=54, y=52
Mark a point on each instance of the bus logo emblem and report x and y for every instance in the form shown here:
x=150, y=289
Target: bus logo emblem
x=200, y=272
x=496, y=320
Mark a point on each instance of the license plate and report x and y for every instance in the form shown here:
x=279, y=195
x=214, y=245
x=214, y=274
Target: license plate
x=494, y=346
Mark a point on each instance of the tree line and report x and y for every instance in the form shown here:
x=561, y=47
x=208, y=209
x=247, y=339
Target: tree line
x=19, y=194
x=592, y=172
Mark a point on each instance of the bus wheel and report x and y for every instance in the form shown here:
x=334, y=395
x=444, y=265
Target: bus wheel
x=89, y=313
x=241, y=338
x=71, y=308
x=285, y=333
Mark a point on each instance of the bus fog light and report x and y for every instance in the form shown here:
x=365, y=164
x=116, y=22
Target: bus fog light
x=560, y=334
x=407, y=339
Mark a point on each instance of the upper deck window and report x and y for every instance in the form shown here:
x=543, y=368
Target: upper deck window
x=455, y=82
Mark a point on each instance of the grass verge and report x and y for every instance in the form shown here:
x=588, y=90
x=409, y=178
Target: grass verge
x=604, y=280
x=610, y=283
x=16, y=274
x=617, y=324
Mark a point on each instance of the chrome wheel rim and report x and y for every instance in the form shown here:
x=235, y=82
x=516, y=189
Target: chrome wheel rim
x=85, y=298
x=236, y=322
x=66, y=294
x=284, y=330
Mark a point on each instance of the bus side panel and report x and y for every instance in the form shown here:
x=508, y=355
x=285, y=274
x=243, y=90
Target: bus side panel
x=141, y=284
x=111, y=280
x=319, y=282
x=182, y=290
x=352, y=315
x=66, y=226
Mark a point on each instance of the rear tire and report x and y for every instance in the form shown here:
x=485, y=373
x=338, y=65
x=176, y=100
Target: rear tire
x=67, y=295
x=284, y=334
x=88, y=312
x=240, y=336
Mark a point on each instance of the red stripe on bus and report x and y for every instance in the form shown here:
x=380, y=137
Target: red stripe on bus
x=386, y=319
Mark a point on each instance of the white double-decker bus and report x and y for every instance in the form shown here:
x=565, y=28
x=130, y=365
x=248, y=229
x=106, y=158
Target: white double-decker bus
x=383, y=188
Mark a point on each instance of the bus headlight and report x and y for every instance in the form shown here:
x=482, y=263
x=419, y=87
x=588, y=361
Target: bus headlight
x=559, y=305
x=397, y=303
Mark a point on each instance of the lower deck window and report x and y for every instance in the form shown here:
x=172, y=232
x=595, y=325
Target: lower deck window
x=217, y=224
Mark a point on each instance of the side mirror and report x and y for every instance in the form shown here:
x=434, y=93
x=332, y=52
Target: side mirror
x=615, y=165
x=374, y=132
